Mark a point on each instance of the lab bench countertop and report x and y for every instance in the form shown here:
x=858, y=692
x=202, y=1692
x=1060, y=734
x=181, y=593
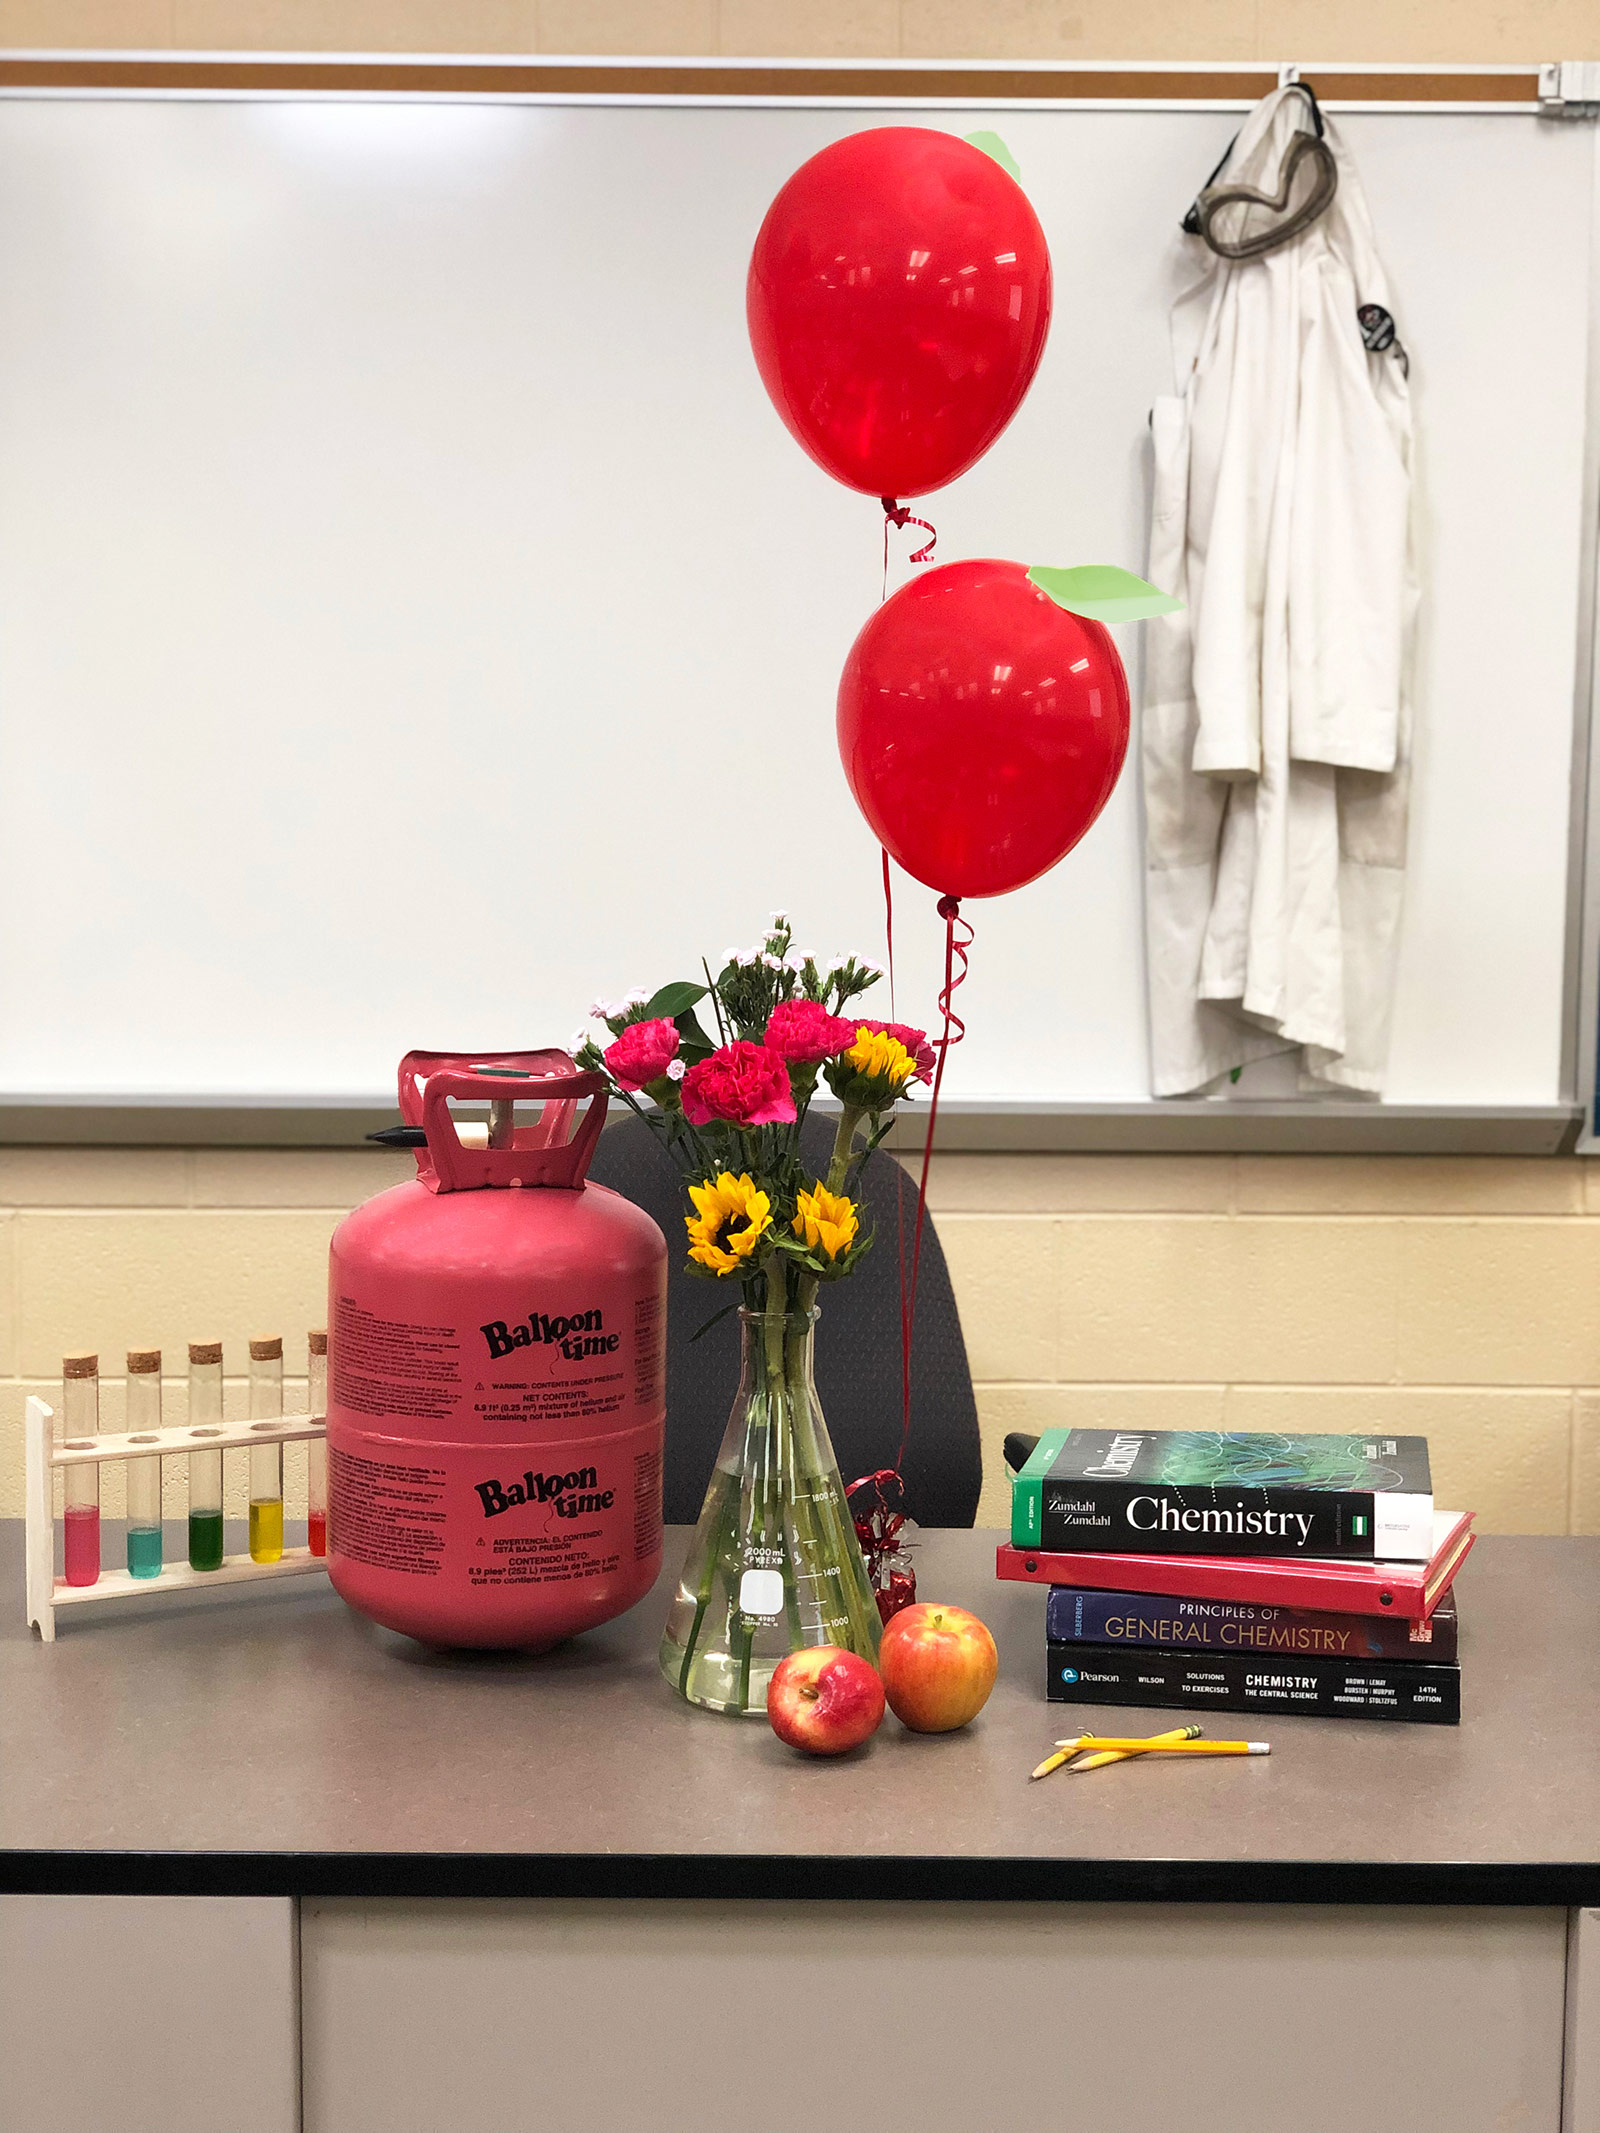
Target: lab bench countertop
x=272, y=1742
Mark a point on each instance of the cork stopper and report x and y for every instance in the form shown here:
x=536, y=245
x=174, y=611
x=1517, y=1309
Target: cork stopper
x=317, y=1341
x=80, y=1366
x=205, y=1351
x=267, y=1350
x=142, y=1361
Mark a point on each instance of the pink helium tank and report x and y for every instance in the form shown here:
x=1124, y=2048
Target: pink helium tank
x=497, y=1377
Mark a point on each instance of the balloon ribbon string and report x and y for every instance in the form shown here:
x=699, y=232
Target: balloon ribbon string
x=897, y=515
x=955, y=951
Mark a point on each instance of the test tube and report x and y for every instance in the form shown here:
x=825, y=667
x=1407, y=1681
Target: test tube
x=205, y=1468
x=266, y=1460
x=80, y=1408
x=144, y=1475
x=317, y=1463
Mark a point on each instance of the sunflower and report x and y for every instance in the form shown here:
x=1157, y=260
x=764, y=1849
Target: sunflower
x=826, y=1220
x=731, y=1216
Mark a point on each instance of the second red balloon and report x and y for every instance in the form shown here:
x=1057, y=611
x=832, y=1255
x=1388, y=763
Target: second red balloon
x=982, y=727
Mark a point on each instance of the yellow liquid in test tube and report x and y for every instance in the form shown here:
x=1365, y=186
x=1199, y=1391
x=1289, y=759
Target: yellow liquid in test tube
x=266, y=1530
x=266, y=1460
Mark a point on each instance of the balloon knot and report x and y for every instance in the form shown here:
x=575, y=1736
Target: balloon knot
x=897, y=514
x=949, y=907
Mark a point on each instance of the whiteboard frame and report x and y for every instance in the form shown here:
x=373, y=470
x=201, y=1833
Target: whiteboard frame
x=1153, y=1124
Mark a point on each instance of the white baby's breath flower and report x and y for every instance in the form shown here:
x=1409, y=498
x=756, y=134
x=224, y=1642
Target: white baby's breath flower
x=637, y=998
x=770, y=962
x=675, y=1070
x=578, y=1039
x=598, y=1010
x=778, y=918
x=730, y=955
x=876, y=969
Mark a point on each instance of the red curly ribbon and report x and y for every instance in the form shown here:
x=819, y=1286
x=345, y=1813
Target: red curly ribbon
x=898, y=516
x=878, y=1529
x=955, y=951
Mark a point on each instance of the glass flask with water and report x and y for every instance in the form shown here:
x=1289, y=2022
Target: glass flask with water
x=775, y=1563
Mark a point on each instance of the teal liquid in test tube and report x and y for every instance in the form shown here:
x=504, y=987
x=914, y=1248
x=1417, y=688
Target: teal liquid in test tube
x=144, y=1475
x=205, y=1467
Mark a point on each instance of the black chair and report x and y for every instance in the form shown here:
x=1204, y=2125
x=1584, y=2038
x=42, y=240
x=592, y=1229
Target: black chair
x=857, y=1348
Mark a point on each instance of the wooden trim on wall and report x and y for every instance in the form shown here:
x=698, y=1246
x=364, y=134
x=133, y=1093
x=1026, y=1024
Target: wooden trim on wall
x=739, y=81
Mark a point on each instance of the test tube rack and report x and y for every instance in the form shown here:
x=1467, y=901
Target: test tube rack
x=47, y=1592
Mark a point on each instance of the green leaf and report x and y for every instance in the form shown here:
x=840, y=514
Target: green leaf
x=1103, y=593
x=671, y=1001
x=695, y=1043
x=992, y=145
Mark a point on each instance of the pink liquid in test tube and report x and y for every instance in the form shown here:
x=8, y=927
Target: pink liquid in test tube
x=82, y=1525
x=317, y=1532
x=79, y=1419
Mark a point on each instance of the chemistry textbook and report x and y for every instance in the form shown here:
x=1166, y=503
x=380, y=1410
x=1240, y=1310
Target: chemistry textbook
x=1235, y=1493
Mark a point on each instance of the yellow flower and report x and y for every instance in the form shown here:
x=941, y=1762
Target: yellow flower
x=879, y=1057
x=826, y=1220
x=731, y=1216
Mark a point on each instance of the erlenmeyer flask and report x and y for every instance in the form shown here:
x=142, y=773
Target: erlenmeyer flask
x=774, y=1564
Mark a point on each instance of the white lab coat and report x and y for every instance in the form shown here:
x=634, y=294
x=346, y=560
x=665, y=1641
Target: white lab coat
x=1277, y=719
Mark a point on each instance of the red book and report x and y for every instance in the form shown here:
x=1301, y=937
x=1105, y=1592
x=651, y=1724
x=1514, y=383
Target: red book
x=1410, y=1589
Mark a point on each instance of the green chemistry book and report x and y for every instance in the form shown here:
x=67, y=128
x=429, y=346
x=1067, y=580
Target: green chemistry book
x=1225, y=1492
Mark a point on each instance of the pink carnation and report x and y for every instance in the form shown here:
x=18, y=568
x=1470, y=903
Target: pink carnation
x=804, y=1033
x=743, y=1083
x=642, y=1053
x=914, y=1040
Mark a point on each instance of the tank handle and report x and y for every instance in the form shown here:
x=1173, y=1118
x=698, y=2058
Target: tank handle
x=540, y=1154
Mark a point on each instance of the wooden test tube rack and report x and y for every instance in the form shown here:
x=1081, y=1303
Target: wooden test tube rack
x=47, y=1592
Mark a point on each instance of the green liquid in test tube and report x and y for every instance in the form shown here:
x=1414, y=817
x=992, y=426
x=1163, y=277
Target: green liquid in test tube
x=266, y=1460
x=205, y=1468
x=144, y=1475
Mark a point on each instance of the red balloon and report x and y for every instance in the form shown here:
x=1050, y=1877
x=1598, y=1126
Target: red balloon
x=898, y=302
x=981, y=726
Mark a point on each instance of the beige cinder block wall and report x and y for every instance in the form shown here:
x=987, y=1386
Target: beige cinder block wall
x=1456, y=1298
x=1461, y=1298
x=1523, y=30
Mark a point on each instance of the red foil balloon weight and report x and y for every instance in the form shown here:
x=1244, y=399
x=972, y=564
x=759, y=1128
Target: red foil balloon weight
x=982, y=727
x=898, y=302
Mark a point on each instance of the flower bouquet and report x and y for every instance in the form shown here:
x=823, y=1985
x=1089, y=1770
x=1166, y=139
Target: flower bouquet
x=775, y=1562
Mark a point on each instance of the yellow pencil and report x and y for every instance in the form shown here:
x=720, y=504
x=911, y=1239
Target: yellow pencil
x=1067, y=1749
x=1099, y=1760
x=1156, y=1746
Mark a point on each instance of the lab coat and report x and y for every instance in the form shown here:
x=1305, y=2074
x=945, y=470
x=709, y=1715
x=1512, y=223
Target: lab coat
x=1277, y=722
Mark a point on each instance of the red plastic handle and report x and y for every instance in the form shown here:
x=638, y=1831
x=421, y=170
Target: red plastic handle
x=540, y=1154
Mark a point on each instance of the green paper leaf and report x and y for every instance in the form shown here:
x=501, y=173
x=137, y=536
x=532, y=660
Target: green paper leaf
x=671, y=1001
x=1103, y=593
x=992, y=145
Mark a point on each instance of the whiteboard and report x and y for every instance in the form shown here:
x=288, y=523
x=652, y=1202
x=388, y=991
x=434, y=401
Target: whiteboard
x=414, y=620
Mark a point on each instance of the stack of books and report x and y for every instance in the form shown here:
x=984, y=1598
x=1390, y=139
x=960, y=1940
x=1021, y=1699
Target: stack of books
x=1240, y=1572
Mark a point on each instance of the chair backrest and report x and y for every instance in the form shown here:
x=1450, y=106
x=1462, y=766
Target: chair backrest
x=857, y=1350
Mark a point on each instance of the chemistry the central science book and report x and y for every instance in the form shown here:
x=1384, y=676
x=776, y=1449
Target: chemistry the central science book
x=1200, y=1492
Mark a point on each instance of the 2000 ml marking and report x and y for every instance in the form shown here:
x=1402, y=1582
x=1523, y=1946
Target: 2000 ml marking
x=574, y=1495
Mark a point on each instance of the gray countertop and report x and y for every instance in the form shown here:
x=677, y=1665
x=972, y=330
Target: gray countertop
x=273, y=1742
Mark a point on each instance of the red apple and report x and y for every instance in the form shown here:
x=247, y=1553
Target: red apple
x=824, y=1700
x=938, y=1666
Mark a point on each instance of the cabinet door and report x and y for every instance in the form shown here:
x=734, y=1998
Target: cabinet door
x=679, y=2017
x=148, y=2014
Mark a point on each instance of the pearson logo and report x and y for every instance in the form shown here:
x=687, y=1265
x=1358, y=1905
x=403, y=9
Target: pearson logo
x=574, y=1495
x=580, y=1335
